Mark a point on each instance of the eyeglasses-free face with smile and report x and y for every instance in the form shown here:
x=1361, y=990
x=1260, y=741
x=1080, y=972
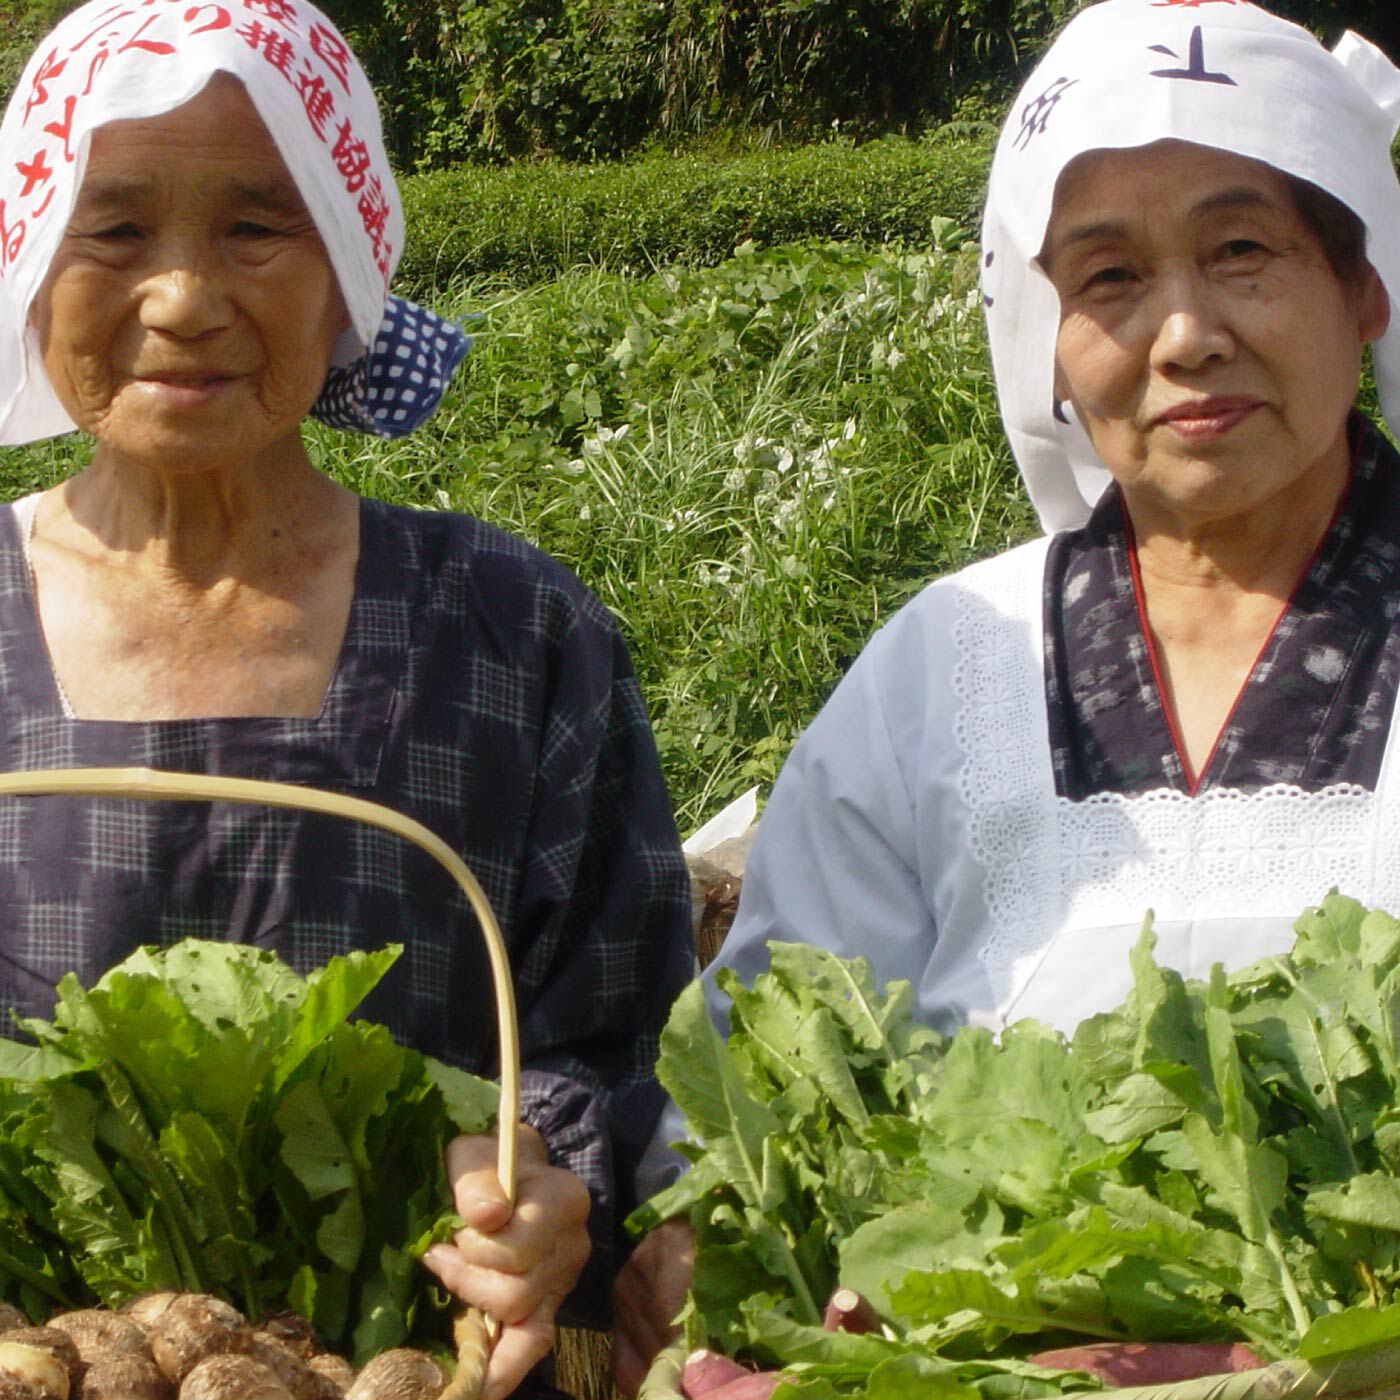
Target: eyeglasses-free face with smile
x=189, y=316
x=1208, y=347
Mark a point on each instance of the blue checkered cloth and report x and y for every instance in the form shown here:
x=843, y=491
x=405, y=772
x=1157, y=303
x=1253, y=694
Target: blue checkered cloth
x=395, y=386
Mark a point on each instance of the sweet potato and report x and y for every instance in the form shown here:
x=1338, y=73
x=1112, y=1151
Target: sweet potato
x=756, y=1385
x=1151, y=1363
x=847, y=1311
x=705, y=1371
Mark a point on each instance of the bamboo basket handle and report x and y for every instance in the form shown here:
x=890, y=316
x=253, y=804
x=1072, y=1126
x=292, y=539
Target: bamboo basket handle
x=473, y=1332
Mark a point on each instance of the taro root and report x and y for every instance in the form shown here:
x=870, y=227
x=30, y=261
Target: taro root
x=11, y=1317
x=292, y=1331
x=232, y=1378
x=56, y=1344
x=147, y=1307
x=401, y=1374
x=41, y=1372
x=337, y=1372
x=97, y=1333
x=125, y=1377
x=300, y=1380
x=191, y=1328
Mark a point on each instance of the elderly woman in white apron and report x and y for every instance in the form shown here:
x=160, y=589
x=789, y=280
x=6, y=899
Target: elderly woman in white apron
x=198, y=227
x=1182, y=699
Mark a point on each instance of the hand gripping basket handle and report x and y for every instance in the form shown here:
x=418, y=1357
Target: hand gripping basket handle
x=473, y=1332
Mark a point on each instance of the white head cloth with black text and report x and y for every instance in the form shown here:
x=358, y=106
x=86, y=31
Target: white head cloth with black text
x=1124, y=73
x=115, y=60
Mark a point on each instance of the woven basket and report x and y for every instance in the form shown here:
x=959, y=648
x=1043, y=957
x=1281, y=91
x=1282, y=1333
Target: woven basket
x=472, y=1331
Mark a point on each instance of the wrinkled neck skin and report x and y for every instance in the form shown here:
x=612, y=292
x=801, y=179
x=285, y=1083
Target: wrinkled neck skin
x=1259, y=551
x=198, y=527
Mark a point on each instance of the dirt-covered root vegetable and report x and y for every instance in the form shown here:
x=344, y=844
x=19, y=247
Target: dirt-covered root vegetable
x=40, y=1370
x=401, y=1374
x=232, y=1377
x=337, y=1372
x=98, y=1333
x=292, y=1331
x=11, y=1317
x=192, y=1327
x=292, y=1370
x=125, y=1377
x=146, y=1308
x=54, y=1343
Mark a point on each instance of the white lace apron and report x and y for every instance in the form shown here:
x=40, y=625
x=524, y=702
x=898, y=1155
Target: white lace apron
x=1063, y=886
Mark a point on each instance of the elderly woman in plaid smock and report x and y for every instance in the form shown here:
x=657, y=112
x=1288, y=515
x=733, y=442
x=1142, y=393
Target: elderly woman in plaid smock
x=1182, y=698
x=197, y=230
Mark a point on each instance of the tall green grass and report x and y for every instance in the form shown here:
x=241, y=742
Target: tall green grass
x=751, y=464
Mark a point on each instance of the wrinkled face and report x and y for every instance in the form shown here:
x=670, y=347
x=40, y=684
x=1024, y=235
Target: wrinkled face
x=188, y=319
x=1208, y=348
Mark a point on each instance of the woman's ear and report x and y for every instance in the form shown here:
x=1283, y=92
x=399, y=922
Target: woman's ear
x=1373, y=315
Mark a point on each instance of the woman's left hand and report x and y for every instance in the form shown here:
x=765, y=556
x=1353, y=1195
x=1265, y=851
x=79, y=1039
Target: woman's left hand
x=516, y=1265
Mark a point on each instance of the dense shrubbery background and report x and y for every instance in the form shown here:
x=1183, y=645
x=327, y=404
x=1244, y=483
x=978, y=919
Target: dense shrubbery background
x=582, y=79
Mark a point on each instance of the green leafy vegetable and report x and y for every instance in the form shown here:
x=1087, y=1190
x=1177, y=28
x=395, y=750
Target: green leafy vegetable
x=1208, y=1161
x=206, y=1119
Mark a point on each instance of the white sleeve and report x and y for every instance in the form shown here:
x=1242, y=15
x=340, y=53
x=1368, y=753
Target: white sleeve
x=834, y=861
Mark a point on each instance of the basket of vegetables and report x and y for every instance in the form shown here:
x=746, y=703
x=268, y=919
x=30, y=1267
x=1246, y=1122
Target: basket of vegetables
x=883, y=1211
x=214, y=1184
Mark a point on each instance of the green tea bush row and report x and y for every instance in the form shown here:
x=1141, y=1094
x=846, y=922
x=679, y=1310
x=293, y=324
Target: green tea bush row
x=530, y=222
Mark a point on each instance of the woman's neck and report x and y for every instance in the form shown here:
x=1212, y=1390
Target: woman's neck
x=1261, y=550
x=1211, y=594
x=198, y=527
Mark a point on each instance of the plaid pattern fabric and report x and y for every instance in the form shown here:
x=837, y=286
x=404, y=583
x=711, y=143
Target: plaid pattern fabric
x=1317, y=706
x=480, y=689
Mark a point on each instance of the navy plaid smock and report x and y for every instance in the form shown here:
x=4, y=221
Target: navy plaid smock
x=1316, y=708
x=480, y=689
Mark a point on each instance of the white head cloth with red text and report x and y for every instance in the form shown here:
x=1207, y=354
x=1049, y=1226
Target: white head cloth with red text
x=1123, y=73
x=113, y=60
